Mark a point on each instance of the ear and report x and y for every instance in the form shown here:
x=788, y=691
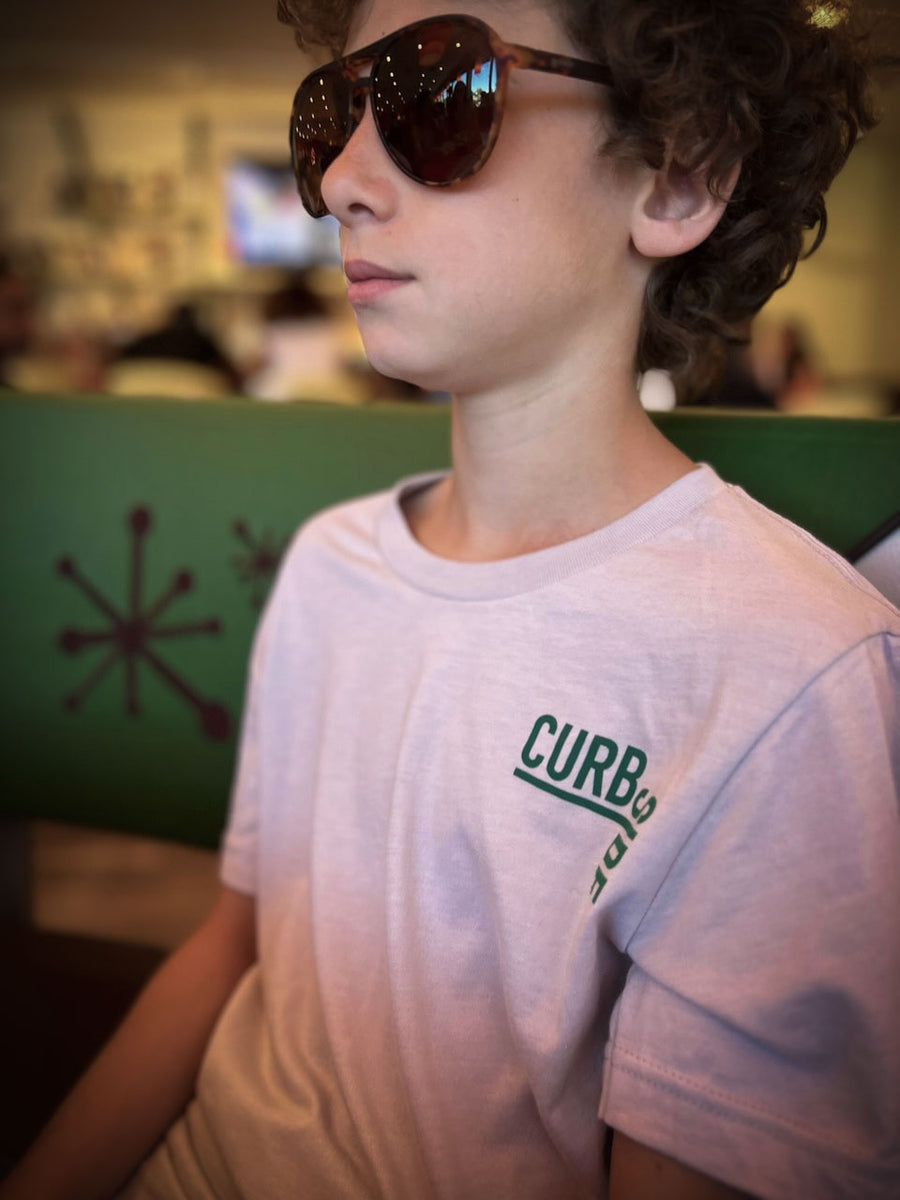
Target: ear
x=676, y=211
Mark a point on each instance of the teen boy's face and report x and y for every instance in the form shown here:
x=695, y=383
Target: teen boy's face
x=520, y=272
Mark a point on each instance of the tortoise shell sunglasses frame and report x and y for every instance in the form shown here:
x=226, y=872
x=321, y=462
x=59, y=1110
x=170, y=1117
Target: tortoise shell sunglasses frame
x=438, y=90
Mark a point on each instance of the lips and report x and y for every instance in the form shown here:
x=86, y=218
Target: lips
x=367, y=280
x=358, y=270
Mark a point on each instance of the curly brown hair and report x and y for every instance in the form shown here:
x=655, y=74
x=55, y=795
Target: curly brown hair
x=781, y=86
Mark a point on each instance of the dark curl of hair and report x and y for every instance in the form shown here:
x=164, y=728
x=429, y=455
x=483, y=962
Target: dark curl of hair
x=780, y=86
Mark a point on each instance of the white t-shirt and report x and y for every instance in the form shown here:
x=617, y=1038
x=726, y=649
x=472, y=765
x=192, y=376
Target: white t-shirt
x=603, y=835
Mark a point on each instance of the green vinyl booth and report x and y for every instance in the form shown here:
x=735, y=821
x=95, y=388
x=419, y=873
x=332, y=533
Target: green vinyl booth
x=140, y=537
x=139, y=541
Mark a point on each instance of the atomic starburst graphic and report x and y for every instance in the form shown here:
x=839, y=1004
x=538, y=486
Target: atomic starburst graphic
x=260, y=562
x=129, y=636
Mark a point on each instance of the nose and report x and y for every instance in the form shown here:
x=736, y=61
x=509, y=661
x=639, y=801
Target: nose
x=362, y=181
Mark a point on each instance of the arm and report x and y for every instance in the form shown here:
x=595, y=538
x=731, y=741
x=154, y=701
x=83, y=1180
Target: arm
x=639, y=1173
x=145, y=1075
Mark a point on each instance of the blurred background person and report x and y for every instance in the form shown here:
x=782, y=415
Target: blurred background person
x=17, y=325
x=177, y=359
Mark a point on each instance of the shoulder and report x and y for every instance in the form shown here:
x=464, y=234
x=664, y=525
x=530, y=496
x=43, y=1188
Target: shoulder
x=731, y=612
x=754, y=572
x=355, y=518
x=341, y=534
x=336, y=556
x=323, y=564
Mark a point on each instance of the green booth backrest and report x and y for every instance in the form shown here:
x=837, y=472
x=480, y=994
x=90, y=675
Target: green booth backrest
x=140, y=537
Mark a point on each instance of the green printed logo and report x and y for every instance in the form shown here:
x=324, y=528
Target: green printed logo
x=599, y=775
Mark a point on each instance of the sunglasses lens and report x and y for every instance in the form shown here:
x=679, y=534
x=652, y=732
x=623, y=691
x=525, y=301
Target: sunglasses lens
x=435, y=102
x=321, y=125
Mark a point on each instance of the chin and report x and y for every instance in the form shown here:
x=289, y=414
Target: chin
x=407, y=367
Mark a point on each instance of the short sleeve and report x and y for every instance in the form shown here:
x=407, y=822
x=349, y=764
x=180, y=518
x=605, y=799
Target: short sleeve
x=757, y=1036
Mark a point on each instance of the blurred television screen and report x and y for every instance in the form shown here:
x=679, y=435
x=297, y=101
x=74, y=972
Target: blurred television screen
x=268, y=225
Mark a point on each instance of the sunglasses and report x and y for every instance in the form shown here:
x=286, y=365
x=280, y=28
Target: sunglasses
x=437, y=88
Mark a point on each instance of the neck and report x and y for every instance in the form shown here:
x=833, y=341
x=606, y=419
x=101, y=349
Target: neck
x=536, y=467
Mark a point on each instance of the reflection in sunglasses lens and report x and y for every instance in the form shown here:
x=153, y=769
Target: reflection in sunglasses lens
x=434, y=101
x=321, y=130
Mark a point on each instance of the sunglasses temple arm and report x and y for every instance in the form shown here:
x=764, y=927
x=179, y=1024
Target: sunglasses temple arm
x=559, y=64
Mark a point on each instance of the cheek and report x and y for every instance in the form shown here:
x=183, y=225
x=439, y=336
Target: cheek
x=557, y=207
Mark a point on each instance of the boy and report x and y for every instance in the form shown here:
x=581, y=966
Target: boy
x=563, y=853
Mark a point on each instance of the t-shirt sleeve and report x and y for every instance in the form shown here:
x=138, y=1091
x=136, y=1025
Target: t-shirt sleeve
x=757, y=1036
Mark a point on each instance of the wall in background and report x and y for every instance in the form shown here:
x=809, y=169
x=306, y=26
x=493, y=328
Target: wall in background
x=124, y=189
x=156, y=104
x=847, y=295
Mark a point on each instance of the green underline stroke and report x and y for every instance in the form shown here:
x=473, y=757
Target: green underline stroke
x=574, y=798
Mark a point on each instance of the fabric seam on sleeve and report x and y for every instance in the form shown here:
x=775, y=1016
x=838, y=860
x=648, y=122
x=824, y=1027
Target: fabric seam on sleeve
x=750, y=749
x=724, y=1105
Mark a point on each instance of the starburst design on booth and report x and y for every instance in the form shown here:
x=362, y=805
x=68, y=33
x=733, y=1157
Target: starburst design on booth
x=259, y=562
x=130, y=637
